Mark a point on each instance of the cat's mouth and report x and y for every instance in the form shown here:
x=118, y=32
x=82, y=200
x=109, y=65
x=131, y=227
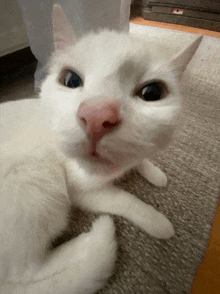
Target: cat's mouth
x=96, y=157
x=102, y=162
x=99, y=157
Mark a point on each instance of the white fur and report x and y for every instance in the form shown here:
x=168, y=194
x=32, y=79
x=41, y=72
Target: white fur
x=46, y=167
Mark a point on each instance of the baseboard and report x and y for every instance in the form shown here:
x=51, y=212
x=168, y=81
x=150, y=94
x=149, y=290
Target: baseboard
x=14, y=61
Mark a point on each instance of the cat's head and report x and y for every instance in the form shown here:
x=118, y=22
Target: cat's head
x=112, y=97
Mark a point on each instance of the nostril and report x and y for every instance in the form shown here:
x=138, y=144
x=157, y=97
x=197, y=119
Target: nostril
x=83, y=120
x=109, y=125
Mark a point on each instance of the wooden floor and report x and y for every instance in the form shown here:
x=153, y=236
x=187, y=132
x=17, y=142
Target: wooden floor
x=207, y=279
x=139, y=20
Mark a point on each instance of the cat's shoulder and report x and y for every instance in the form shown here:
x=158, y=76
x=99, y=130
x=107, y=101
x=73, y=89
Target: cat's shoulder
x=15, y=115
x=23, y=132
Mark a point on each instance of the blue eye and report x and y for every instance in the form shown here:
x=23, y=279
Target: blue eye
x=151, y=92
x=72, y=80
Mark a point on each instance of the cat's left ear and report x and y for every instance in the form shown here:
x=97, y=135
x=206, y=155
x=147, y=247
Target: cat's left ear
x=181, y=60
x=62, y=29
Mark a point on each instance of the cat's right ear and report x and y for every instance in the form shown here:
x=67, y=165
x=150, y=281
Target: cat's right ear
x=181, y=60
x=62, y=30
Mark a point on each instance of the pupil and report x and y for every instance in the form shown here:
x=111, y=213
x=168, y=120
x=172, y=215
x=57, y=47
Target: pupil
x=72, y=80
x=152, y=92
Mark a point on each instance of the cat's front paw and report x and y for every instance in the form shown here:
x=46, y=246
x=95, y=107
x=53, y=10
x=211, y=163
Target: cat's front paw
x=152, y=173
x=161, y=227
x=158, y=178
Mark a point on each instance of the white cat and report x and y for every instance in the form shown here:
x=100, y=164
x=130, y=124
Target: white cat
x=109, y=102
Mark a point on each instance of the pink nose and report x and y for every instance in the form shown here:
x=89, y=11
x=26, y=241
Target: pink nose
x=99, y=119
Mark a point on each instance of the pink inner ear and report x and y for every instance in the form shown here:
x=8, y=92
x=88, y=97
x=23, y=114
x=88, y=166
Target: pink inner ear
x=62, y=42
x=61, y=45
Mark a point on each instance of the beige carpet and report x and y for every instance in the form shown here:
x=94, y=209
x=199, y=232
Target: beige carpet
x=144, y=264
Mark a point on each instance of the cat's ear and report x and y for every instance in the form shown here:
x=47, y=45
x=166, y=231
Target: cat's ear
x=62, y=30
x=181, y=60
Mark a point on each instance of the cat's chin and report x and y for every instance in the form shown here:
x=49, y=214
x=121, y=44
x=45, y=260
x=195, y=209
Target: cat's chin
x=100, y=164
x=94, y=162
x=96, y=157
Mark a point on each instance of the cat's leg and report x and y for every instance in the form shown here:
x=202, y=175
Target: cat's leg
x=80, y=266
x=152, y=173
x=116, y=201
x=30, y=217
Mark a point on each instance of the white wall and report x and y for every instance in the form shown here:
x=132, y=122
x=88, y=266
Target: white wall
x=12, y=31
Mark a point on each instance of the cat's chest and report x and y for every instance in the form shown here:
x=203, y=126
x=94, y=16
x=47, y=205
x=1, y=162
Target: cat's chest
x=81, y=180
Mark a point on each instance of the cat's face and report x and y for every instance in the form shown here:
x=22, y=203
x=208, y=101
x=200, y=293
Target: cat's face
x=119, y=68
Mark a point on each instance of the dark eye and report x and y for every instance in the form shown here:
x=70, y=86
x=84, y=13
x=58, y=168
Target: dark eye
x=151, y=92
x=72, y=80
